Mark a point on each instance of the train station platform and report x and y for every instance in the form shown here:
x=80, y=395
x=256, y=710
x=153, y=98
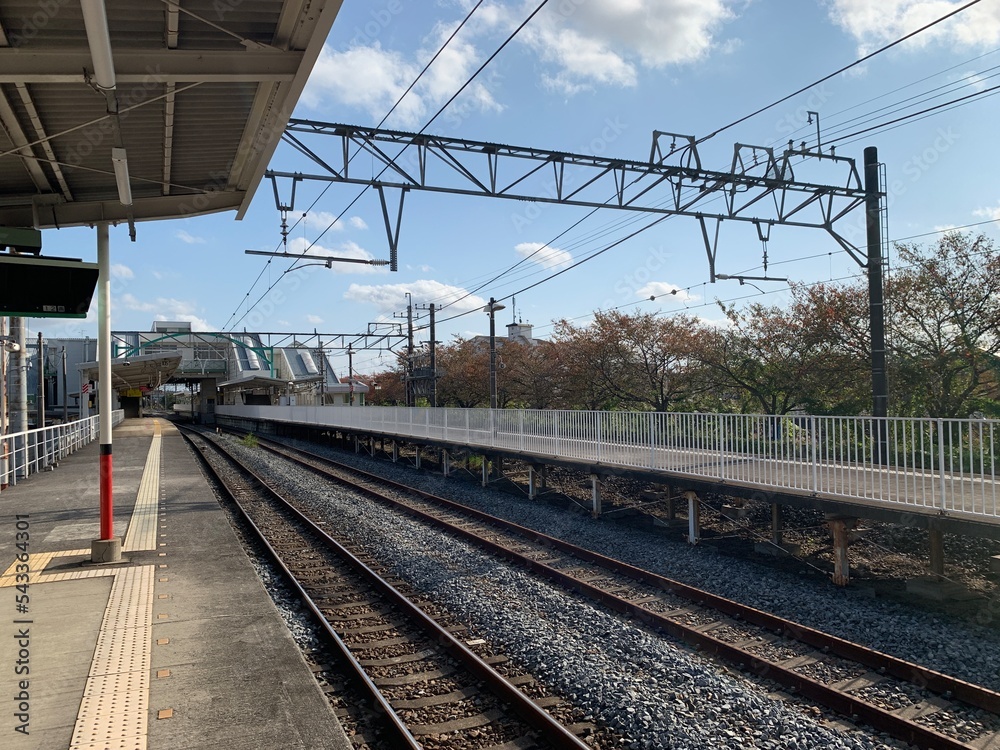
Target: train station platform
x=177, y=647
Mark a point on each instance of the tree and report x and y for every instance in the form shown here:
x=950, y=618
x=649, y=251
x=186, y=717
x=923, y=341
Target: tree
x=528, y=374
x=464, y=373
x=641, y=361
x=774, y=360
x=944, y=304
x=386, y=388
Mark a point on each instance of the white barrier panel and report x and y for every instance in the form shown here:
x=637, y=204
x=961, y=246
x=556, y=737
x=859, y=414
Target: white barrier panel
x=944, y=464
x=25, y=453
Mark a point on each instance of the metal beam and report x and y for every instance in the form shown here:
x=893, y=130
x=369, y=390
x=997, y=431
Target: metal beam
x=38, y=211
x=17, y=136
x=143, y=66
x=760, y=188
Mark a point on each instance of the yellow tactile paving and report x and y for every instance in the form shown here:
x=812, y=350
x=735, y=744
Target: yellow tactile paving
x=113, y=713
x=141, y=534
x=36, y=564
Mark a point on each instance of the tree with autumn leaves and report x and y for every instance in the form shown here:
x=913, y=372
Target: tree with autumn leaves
x=943, y=336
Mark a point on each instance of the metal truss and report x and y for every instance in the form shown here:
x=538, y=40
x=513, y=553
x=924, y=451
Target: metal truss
x=760, y=187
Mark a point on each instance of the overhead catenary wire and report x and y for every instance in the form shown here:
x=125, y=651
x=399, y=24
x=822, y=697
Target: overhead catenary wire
x=837, y=72
x=716, y=301
x=392, y=109
x=497, y=277
x=726, y=127
x=437, y=114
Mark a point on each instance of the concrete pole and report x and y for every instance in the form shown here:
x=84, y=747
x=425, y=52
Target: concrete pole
x=40, y=401
x=876, y=306
x=493, y=355
x=434, y=376
x=41, y=449
x=65, y=388
x=19, y=403
x=840, y=527
x=694, y=517
x=3, y=403
x=595, y=496
x=106, y=548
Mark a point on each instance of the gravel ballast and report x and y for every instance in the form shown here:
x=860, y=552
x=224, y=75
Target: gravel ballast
x=653, y=691
x=947, y=644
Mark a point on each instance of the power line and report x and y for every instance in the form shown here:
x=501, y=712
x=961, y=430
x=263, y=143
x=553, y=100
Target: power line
x=922, y=114
x=867, y=57
x=437, y=114
x=392, y=109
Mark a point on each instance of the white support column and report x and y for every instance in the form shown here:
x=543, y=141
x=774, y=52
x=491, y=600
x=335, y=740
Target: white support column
x=595, y=495
x=395, y=452
x=531, y=482
x=445, y=463
x=486, y=471
x=694, y=517
x=418, y=456
x=107, y=548
x=357, y=444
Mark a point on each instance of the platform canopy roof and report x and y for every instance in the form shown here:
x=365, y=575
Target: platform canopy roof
x=147, y=370
x=203, y=90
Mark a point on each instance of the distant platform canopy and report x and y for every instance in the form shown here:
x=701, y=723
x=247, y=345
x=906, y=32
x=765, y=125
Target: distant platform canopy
x=203, y=90
x=148, y=371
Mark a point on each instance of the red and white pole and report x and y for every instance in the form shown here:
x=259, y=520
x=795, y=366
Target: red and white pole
x=107, y=548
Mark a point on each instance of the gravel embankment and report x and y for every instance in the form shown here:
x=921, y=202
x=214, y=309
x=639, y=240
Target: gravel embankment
x=961, y=648
x=658, y=694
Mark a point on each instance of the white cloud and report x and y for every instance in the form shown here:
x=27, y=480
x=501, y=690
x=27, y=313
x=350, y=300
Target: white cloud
x=357, y=222
x=323, y=220
x=121, y=271
x=167, y=308
x=346, y=249
x=875, y=24
x=945, y=228
x=188, y=238
x=388, y=298
x=988, y=213
x=373, y=79
x=314, y=319
x=605, y=41
x=369, y=78
x=197, y=324
x=972, y=80
x=661, y=288
x=543, y=255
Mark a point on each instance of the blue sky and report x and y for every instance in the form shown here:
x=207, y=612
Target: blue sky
x=589, y=76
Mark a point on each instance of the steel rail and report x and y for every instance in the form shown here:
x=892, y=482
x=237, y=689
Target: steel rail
x=401, y=736
x=530, y=712
x=841, y=702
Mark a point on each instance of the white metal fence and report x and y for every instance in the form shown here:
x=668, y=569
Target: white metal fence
x=944, y=464
x=25, y=453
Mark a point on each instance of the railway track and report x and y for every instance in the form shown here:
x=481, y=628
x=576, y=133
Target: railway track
x=424, y=686
x=910, y=702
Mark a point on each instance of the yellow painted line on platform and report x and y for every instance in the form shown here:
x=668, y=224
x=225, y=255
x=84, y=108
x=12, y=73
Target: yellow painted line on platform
x=37, y=562
x=141, y=534
x=113, y=713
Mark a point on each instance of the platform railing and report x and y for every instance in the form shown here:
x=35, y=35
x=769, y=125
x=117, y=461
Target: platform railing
x=25, y=453
x=949, y=465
